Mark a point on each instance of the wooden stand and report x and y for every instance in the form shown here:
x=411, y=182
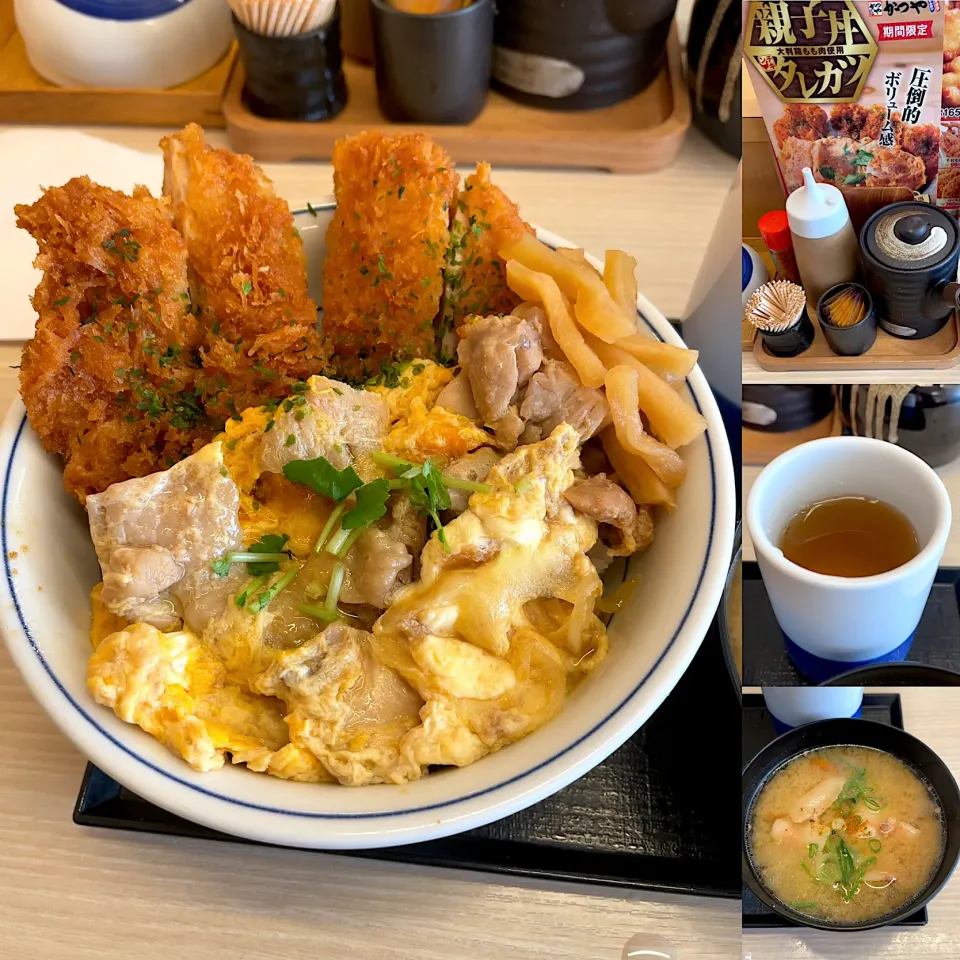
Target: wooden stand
x=638, y=136
x=939, y=352
x=761, y=447
x=25, y=97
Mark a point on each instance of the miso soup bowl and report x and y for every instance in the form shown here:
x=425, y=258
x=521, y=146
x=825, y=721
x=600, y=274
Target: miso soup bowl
x=859, y=733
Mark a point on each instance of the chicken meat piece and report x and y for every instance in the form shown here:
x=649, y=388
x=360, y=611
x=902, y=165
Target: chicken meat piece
x=923, y=141
x=151, y=532
x=951, y=35
x=795, y=154
x=499, y=356
x=407, y=526
x=893, y=167
x=329, y=419
x=624, y=527
x=376, y=567
x=805, y=121
x=950, y=140
x=950, y=88
x=248, y=272
x=535, y=314
x=386, y=250
x=109, y=379
x=457, y=397
x=475, y=283
x=555, y=395
x=474, y=466
x=345, y=707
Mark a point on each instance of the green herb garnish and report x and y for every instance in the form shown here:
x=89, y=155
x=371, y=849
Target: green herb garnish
x=323, y=477
x=247, y=287
x=318, y=613
x=812, y=850
x=875, y=846
x=264, y=599
x=371, y=505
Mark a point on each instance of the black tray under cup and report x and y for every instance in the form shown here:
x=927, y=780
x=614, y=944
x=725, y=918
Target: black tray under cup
x=765, y=660
x=757, y=731
x=641, y=819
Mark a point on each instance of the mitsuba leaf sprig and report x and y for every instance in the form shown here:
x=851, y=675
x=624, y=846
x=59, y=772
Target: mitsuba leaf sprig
x=324, y=478
x=427, y=487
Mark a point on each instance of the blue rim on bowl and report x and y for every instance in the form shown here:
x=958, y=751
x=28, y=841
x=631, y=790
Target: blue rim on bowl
x=177, y=792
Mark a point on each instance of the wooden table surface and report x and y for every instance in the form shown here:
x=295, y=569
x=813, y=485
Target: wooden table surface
x=73, y=893
x=933, y=716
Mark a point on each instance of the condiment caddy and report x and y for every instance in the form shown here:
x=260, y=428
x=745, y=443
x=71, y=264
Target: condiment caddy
x=640, y=135
x=887, y=298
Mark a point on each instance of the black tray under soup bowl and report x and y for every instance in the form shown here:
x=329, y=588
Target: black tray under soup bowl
x=862, y=733
x=905, y=674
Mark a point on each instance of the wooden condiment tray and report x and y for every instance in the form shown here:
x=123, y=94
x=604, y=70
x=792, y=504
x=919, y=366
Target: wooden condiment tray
x=939, y=352
x=638, y=136
x=25, y=97
x=760, y=447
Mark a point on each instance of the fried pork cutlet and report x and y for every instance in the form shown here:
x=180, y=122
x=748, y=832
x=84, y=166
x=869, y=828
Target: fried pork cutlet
x=110, y=379
x=923, y=141
x=386, y=250
x=806, y=121
x=864, y=123
x=486, y=220
x=248, y=274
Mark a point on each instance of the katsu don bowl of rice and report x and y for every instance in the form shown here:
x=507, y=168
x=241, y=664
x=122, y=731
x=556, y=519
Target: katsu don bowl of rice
x=353, y=524
x=848, y=824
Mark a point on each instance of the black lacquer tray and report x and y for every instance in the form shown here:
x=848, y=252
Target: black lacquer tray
x=757, y=732
x=765, y=660
x=645, y=818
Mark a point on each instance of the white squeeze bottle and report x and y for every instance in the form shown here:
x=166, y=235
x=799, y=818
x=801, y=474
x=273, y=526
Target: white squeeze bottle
x=825, y=245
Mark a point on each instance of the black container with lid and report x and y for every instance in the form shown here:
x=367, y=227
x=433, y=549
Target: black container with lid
x=782, y=408
x=713, y=72
x=927, y=418
x=579, y=54
x=910, y=252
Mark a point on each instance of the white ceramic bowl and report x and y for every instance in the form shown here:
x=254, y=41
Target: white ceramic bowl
x=132, y=44
x=50, y=566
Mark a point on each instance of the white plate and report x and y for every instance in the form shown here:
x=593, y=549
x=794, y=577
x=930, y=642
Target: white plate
x=44, y=617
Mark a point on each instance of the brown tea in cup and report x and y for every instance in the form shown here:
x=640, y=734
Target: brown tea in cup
x=850, y=536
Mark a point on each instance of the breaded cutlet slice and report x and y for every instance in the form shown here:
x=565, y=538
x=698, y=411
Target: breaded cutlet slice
x=248, y=271
x=108, y=379
x=386, y=250
x=475, y=282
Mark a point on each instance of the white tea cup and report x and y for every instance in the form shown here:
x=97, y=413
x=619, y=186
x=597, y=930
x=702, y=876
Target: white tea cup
x=832, y=624
x=791, y=707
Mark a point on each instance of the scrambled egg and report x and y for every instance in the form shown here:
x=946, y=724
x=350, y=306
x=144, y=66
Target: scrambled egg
x=170, y=686
x=475, y=654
